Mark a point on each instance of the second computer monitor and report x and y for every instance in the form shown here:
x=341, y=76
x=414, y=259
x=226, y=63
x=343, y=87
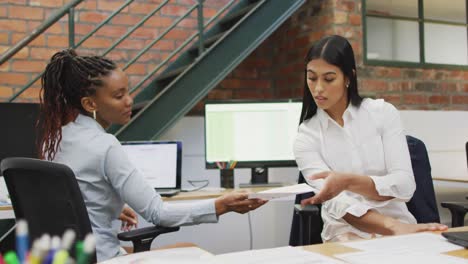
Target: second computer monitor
x=256, y=134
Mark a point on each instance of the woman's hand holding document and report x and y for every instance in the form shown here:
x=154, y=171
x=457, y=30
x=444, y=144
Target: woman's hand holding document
x=285, y=191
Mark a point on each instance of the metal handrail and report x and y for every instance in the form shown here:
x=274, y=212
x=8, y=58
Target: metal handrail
x=43, y=27
x=200, y=32
x=69, y=9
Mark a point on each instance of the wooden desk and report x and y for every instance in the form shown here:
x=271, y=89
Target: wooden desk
x=332, y=249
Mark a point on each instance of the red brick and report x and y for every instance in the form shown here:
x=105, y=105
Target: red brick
x=6, y=91
x=189, y=23
x=415, y=99
x=16, y=2
x=5, y=67
x=136, y=69
x=159, y=21
x=111, y=31
x=130, y=20
x=90, y=16
x=355, y=20
x=448, y=87
x=164, y=45
x=231, y=83
x=111, y=5
x=42, y=53
x=97, y=43
x=179, y=34
x=4, y=38
x=13, y=78
x=87, y=5
x=143, y=8
x=374, y=85
x=28, y=66
x=26, y=12
x=175, y=10
x=32, y=93
x=13, y=25
x=146, y=33
x=46, y=3
x=38, y=41
x=207, y=12
x=3, y=11
x=57, y=41
x=439, y=99
x=340, y=17
x=220, y=94
x=84, y=29
x=21, y=54
x=460, y=99
x=345, y=5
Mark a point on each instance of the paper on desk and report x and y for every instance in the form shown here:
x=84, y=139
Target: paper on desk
x=281, y=255
x=412, y=243
x=383, y=257
x=283, y=191
x=184, y=255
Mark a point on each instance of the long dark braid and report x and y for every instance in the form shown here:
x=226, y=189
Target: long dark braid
x=67, y=78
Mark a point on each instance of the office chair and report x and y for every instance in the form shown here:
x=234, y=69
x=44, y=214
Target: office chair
x=458, y=210
x=423, y=205
x=47, y=196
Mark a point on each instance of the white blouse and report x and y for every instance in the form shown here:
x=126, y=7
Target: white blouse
x=371, y=142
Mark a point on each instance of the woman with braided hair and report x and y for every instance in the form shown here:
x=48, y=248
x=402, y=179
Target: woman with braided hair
x=81, y=97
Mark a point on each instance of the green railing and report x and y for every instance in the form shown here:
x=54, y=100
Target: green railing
x=69, y=9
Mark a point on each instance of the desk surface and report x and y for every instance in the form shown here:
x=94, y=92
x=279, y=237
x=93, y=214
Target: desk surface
x=332, y=249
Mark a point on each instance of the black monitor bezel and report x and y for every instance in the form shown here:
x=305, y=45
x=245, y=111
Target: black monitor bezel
x=249, y=164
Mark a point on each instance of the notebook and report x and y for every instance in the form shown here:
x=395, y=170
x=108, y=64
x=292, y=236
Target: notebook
x=159, y=161
x=459, y=238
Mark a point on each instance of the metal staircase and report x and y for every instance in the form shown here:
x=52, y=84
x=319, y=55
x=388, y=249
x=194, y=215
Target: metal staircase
x=198, y=68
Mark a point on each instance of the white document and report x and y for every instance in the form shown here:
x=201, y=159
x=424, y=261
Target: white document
x=283, y=191
x=186, y=255
x=281, y=255
x=406, y=244
x=383, y=257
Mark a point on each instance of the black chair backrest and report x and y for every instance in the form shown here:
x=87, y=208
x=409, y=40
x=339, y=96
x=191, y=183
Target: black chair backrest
x=423, y=205
x=46, y=195
x=466, y=151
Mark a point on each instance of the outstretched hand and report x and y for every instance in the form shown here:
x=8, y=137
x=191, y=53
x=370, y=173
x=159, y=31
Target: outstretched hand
x=129, y=219
x=334, y=183
x=237, y=202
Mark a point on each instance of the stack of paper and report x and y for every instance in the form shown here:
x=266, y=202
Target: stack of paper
x=424, y=248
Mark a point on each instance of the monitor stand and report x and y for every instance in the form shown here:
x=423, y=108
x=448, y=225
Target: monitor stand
x=259, y=178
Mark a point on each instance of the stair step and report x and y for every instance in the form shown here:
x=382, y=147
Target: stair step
x=171, y=74
x=208, y=42
x=237, y=14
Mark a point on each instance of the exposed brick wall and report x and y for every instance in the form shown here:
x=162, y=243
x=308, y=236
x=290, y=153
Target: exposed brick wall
x=274, y=70
x=407, y=88
x=18, y=18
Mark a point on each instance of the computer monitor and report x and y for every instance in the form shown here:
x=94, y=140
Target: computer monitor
x=160, y=162
x=18, y=130
x=256, y=134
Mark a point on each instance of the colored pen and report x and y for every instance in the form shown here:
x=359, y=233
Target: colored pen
x=1, y=259
x=11, y=258
x=22, y=240
x=55, y=245
x=89, y=246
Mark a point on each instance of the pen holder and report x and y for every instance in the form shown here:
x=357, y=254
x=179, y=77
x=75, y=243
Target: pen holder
x=227, y=178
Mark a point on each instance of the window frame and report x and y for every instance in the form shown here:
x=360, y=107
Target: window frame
x=420, y=19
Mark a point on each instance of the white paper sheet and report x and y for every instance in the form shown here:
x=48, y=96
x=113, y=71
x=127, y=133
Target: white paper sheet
x=412, y=243
x=283, y=191
x=282, y=255
x=187, y=255
x=382, y=257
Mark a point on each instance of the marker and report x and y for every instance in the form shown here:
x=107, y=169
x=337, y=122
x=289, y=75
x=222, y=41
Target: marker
x=22, y=240
x=11, y=258
x=89, y=246
x=35, y=256
x=54, y=246
x=1, y=259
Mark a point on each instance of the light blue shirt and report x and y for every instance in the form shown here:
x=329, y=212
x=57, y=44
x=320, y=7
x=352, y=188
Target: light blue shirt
x=108, y=179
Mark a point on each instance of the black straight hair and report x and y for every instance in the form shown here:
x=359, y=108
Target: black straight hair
x=337, y=51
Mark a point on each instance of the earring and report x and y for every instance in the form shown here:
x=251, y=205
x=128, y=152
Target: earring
x=94, y=114
x=347, y=85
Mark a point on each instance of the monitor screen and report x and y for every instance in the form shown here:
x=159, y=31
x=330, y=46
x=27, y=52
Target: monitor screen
x=160, y=162
x=18, y=130
x=253, y=133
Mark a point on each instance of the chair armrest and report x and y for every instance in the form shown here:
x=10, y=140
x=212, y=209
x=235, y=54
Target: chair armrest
x=145, y=233
x=458, y=211
x=310, y=209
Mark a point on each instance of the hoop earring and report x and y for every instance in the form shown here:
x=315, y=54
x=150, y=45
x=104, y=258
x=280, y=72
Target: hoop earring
x=94, y=114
